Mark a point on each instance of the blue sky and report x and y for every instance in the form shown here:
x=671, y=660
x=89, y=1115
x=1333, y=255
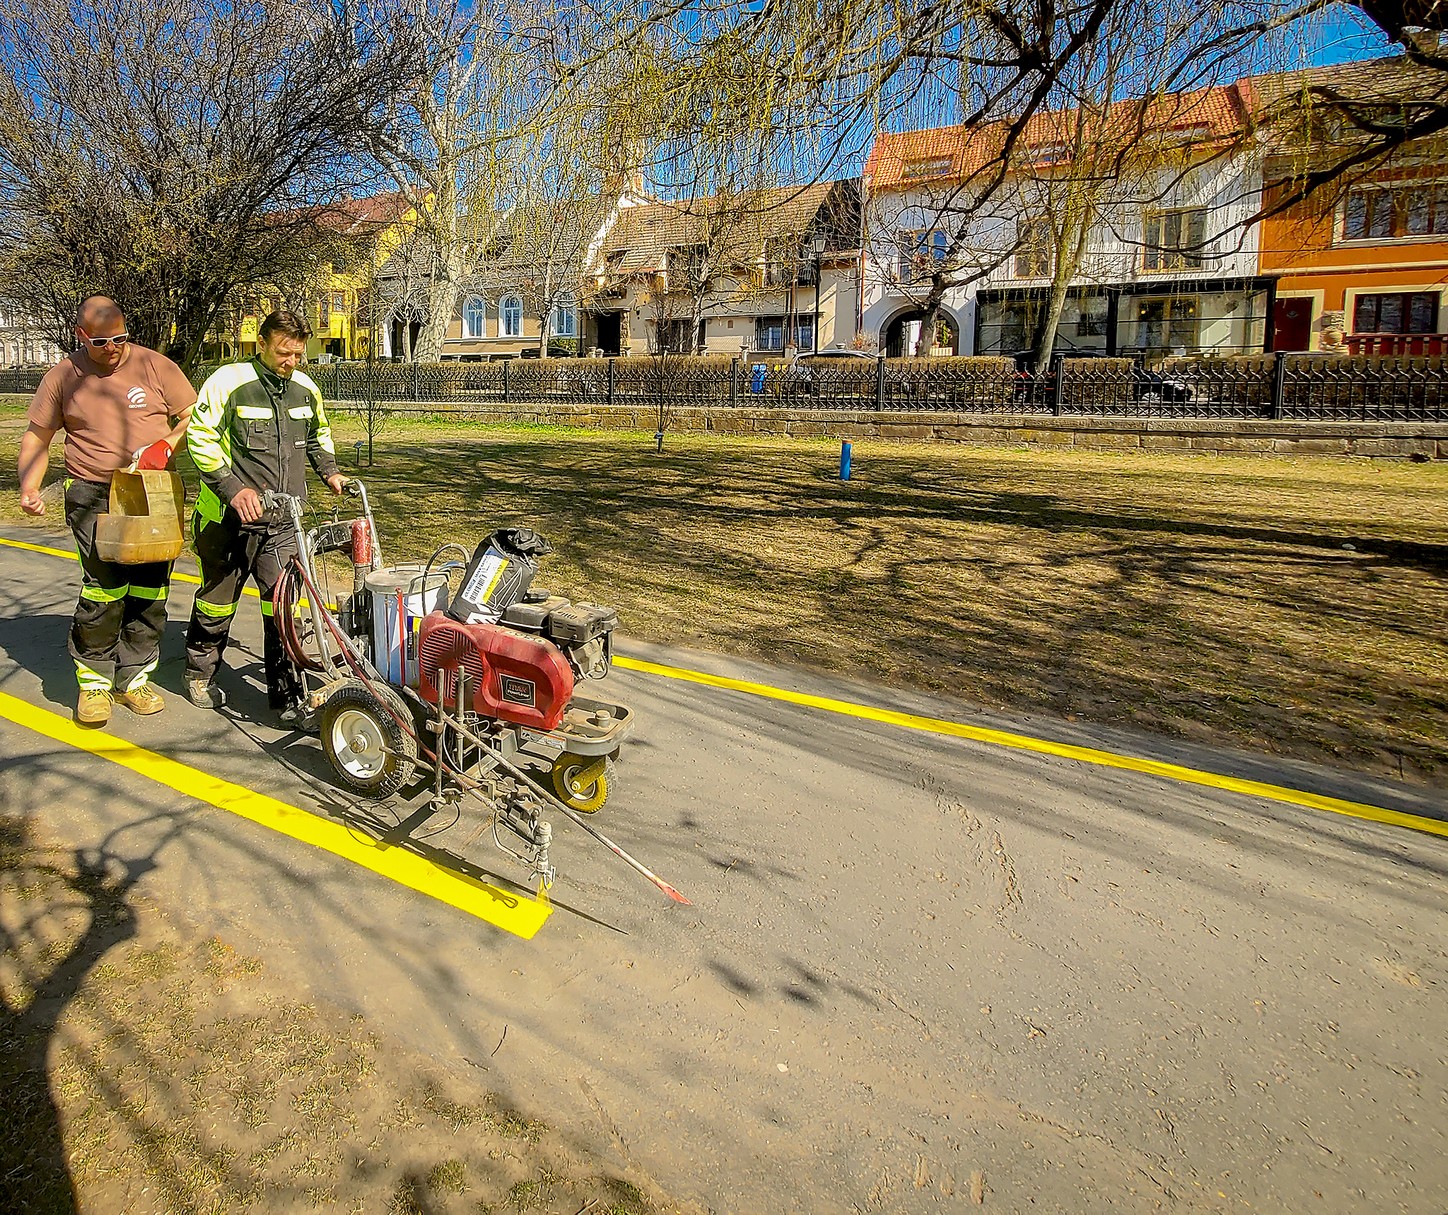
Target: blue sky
x=1341, y=35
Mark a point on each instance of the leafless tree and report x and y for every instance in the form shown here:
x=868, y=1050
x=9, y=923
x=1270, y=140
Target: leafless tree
x=169, y=152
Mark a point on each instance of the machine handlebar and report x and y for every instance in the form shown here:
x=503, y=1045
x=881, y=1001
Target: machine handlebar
x=272, y=500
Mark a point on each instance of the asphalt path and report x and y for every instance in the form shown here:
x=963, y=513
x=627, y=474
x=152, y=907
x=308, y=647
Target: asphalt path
x=918, y=970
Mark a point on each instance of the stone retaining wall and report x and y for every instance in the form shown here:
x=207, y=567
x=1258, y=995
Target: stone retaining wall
x=1400, y=440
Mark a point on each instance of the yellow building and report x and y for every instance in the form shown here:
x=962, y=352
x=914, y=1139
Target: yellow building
x=337, y=304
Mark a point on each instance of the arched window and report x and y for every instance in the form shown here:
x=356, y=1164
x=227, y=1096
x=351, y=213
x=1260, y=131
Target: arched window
x=512, y=316
x=564, y=322
x=473, y=318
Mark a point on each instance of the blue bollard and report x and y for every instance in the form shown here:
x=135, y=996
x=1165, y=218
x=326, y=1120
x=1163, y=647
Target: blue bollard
x=844, y=459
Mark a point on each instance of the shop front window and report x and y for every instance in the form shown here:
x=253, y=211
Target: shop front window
x=1170, y=325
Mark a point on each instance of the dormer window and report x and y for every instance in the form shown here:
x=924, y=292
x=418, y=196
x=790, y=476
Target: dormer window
x=1049, y=153
x=923, y=167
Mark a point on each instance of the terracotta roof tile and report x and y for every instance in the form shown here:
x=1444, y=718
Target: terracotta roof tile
x=952, y=154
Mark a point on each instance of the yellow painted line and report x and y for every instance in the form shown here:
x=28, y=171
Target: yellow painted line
x=38, y=548
x=176, y=576
x=1025, y=742
x=518, y=914
x=1020, y=742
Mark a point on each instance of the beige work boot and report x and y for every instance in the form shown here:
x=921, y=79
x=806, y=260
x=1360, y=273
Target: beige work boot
x=94, y=706
x=144, y=700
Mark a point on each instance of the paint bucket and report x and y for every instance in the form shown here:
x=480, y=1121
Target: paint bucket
x=400, y=599
x=144, y=523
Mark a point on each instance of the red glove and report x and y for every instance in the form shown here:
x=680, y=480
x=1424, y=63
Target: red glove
x=157, y=456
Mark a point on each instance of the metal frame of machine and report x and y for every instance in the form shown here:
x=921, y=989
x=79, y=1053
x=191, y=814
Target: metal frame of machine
x=378, y=733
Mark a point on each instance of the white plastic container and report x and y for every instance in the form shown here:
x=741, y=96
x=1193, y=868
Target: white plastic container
x=399, y=602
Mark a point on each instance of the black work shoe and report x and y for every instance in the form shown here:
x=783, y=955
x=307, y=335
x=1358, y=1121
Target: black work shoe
x=204, y=695
x=298, y=717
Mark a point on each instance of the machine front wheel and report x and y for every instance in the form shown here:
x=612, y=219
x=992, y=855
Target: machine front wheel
x=582, y=782
x=365, y=744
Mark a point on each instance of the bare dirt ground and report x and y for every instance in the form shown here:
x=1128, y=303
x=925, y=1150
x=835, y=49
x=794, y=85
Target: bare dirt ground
x=178, y=1075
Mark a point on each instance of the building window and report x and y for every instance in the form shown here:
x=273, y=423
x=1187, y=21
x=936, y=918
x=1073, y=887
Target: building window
x=693, y=264
x=922, y=167
x=677, y=336
x=511, y=312
x=564, y=321
x=1383, y=213
x=1173, y=239
x=473, y=318
x=1398, y=312
x=339, y=301
x=1091, y=320
x=1170, y=324
x=1035, y=248
x=771, y=332
x=1016, y=322
x=922, y=253
x=1049, y=153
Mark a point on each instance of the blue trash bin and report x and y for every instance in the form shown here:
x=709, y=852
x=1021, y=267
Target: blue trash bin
x=756, y=377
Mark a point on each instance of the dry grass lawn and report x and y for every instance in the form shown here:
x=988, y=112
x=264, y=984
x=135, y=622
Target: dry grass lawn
x=1289, y=606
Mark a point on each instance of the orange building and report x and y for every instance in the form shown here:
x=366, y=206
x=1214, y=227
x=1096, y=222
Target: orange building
x=1364, y=264
x=1371, y=263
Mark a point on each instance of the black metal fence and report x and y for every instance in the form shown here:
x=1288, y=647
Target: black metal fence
x=23, y=381
x=1283, y=386
x=1304, y=387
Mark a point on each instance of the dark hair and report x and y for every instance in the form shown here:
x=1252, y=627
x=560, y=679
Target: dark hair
x=288, y=324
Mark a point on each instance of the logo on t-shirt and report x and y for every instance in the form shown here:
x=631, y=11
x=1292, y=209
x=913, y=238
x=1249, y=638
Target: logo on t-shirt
x=137, y=397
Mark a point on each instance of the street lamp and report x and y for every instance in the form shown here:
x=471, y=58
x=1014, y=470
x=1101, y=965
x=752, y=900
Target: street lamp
x=817, y=247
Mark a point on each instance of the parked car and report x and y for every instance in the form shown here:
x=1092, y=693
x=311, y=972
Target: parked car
x=837, y=372
x=1147, y=386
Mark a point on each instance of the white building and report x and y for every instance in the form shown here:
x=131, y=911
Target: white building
x=25, y=341
x=1169, y=261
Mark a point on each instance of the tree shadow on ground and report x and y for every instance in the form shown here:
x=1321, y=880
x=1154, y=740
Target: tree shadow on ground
x=98, y=884
x=1226, y=607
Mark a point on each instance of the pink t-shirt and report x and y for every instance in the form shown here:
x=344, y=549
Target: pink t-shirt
x=107, y=417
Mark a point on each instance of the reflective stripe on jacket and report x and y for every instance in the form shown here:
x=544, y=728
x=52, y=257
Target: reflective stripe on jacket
x=250, y=428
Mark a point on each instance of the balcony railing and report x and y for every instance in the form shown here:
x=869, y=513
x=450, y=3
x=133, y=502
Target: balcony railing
x=1397, y=343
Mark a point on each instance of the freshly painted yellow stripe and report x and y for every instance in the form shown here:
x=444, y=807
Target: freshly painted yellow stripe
x=1024, y=742
x=176, y=576
x=38, y=548
x=518, y=914
x=1001, y=738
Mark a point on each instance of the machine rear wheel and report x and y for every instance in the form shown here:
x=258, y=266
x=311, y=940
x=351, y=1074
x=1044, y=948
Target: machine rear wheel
x=364, y=743
x=571, y=787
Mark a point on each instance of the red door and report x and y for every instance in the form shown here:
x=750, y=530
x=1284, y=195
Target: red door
x=1292, y=323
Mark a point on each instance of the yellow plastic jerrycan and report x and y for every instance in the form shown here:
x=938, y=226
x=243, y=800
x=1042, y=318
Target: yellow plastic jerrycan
x=144, y=523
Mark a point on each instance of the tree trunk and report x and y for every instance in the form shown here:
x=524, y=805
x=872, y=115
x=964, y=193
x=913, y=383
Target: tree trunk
x=929, y=311
x=1069, y=251
x=442, y=294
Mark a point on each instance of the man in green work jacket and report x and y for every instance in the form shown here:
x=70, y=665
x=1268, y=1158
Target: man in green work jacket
x=252, y=425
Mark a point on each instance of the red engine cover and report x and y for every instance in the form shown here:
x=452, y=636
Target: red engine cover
x=511, y=676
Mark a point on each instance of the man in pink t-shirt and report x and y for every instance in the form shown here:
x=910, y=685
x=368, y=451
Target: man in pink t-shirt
x=117, y=403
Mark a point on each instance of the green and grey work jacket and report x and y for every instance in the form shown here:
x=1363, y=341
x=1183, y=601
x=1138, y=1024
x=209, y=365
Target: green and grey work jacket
x=250, y=428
